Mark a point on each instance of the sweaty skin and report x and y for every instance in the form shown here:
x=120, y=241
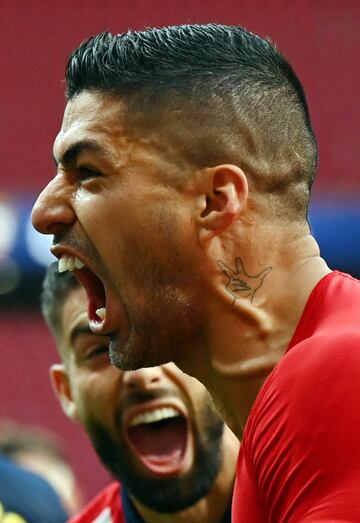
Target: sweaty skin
x=113, y=205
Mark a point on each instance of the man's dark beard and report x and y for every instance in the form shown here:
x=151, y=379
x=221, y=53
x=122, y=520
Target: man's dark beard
x=165, y=495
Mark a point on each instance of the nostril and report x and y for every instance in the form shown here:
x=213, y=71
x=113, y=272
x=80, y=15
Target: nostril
x=142, y=378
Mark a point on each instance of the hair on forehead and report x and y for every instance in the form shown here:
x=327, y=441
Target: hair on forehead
x=56, y=288
x=219, y=93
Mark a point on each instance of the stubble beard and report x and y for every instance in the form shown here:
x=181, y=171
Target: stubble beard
x=165, y=320
x=157, y=339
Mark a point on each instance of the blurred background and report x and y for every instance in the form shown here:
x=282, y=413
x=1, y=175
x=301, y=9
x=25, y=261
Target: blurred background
x=321, y=38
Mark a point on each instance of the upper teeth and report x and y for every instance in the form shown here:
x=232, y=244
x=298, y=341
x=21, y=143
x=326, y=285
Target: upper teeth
x=154, y=415
x=69, y=263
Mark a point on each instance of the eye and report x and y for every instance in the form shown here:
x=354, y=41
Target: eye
x=85, y=172
x=101, y=350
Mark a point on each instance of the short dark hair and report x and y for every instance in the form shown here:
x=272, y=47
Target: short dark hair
x=55, y=289
x=17, y=439
x=233, y=96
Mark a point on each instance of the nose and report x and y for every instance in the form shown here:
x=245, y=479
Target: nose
x=143, y=378
x=52, y=210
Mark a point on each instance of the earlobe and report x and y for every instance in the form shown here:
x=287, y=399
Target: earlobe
x=61, y=386
x=225, y=198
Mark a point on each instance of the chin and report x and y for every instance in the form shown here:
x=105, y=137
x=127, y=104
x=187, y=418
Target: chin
x=132, y=356
x=120, y=357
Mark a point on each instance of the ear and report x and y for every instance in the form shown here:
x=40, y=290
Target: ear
x=61, y=386
x=224, y=197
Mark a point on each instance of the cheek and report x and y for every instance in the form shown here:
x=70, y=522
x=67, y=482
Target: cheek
x=191, y=388
x=194, y=389
x=107, y=216
x=100, y=212
x=96, y=396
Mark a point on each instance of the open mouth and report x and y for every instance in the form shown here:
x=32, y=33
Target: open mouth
x=95, y=293
x=160, y=439
x=93, y=286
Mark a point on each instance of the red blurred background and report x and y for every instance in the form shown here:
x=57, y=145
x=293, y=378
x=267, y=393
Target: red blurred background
x=320, y=38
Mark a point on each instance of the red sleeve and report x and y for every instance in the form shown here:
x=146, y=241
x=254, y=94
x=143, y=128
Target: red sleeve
x=300, y=460
x=246, y=505
x=106, y=505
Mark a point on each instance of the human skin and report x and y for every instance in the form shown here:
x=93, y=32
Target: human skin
x=200, y=272
x=96, y=394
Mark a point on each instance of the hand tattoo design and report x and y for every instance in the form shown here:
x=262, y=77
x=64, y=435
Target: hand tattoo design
x=240, y=284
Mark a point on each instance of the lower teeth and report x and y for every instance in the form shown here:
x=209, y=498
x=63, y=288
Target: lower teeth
x=101, y=313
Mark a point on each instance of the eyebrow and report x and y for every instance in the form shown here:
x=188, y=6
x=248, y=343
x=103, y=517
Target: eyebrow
x=79, y=330
x=71, y=154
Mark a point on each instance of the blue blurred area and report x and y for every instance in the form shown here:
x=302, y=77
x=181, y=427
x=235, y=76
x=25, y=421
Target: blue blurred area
x=336, y=226
x=25, y=253
x=28, y=249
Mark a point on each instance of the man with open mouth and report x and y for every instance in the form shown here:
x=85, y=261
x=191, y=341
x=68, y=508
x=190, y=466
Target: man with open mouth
x=155, y=429
x=185, y=162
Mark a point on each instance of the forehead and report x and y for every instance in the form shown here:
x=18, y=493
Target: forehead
x=90, y=115
x=74, y=312
x=113, y=126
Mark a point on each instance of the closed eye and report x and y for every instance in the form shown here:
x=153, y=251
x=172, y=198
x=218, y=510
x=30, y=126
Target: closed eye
x=85, y=173
x=98, y=351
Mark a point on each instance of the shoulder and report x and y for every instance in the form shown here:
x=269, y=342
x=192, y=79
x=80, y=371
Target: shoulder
x=311, y=394
x=14, y=476
x=15, y=487
x=327, y=341
x=301, y=438
x=318, y=376
x=106, y=503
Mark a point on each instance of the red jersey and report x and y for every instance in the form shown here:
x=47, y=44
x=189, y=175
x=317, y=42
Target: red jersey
x=300, y=456
x=106, y=507
x=113, y=505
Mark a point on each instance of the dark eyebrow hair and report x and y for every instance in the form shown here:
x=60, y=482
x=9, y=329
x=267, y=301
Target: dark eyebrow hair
x=70, y=155
x=78, y=331
x=81, y=330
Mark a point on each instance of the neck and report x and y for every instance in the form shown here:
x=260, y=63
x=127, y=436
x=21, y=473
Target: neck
x=247, y=335
x=212, y=507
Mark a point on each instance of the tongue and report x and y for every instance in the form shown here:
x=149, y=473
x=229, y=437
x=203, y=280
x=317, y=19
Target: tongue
x=161, y=446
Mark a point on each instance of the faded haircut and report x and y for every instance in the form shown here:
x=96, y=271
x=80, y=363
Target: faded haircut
x=216, y=94
x=55, y=289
